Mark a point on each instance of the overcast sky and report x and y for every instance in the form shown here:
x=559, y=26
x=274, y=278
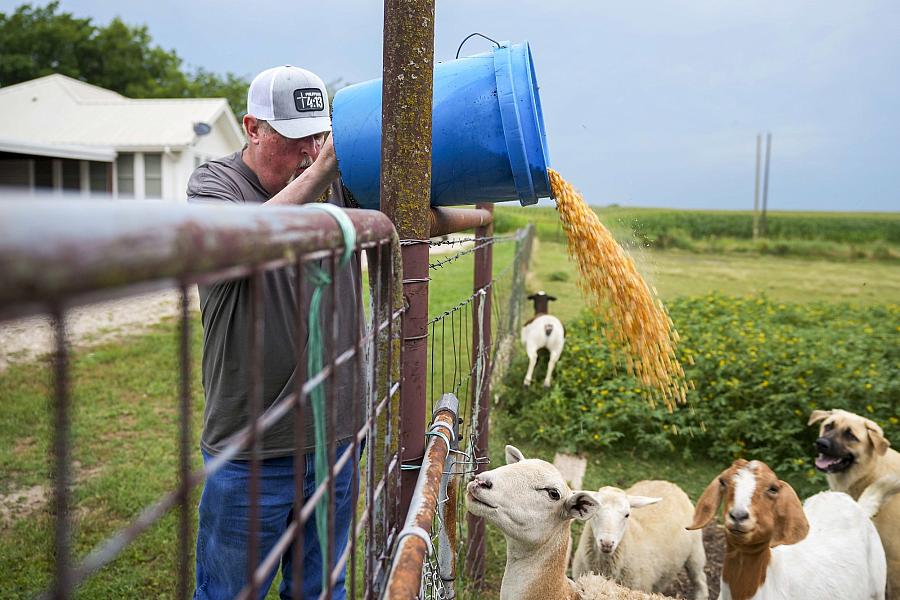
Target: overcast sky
x=645, y=103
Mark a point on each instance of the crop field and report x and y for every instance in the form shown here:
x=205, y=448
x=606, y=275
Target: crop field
x=847, y=236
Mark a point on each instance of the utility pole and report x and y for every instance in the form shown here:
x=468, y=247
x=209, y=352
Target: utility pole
x=765, y=199
x=756, y=190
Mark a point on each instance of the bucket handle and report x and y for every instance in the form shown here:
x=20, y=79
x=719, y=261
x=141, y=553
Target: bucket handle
x=471, y=35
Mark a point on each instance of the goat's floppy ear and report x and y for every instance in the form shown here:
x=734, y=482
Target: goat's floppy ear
x=640, y=501
x=791, y=525
x=818, y=415
x=513, y=455
x=581, y=506
x=876, y=436
x=708, y=504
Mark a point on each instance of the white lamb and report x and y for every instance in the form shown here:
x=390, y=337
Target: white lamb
x=638, y=538
x=529, y=501
x=776, y=548
x=543, y=330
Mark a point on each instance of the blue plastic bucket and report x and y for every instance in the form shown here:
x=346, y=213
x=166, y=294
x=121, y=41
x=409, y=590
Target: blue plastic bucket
x=488, y=139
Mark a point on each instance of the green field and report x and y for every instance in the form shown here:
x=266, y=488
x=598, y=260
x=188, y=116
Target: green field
x=125, y=411
x=843, y=236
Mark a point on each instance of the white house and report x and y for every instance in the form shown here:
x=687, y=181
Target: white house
x=62, y=134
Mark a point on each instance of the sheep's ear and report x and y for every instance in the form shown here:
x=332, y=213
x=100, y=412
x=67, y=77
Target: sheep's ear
x=876, y=436
x=708, y=504
x=531, y=297
x=791, y=525
x=551, y=297
x=581, y=506
x=513, y=455
x=640, y=501
x=818, y=415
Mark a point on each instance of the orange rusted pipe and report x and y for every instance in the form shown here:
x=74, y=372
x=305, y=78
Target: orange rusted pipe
x=452, y=220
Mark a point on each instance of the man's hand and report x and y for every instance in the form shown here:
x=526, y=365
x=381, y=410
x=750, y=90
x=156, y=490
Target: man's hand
x=312, y=183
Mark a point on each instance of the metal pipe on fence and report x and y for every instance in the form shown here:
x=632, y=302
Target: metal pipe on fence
x=405, y=193
x=452, y=220
x=414, y=544
x=481, y=344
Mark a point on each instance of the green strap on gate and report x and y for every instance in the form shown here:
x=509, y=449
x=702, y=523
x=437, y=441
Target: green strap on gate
x=321, y=280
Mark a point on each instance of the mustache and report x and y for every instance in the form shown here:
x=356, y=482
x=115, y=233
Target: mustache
x=305, y=163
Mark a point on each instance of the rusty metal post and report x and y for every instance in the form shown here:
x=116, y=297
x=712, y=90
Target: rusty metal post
x=62, y=468
x=405, y=192
x=481, y=348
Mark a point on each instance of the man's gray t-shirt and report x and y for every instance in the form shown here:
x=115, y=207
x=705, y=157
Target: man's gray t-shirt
x=225, y=311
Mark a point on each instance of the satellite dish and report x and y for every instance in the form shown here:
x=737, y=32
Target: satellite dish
x=202, y=128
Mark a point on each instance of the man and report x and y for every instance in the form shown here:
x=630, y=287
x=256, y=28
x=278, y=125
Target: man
x=286, y=161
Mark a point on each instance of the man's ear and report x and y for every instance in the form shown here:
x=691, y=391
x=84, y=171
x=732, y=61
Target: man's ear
x=513, y=455
x=581, y=506
x=791, y=525
x=251, y=128
x=818, y=415
x=876, y=436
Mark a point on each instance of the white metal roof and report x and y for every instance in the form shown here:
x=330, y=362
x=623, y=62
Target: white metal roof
x=60, y=111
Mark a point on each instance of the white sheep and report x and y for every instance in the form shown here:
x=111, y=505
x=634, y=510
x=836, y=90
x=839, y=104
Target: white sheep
x=777, y=548
x=638, y=538
x=543, y=330
x=529, y=501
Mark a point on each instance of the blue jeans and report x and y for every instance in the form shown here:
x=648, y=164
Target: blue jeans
x=223, y=532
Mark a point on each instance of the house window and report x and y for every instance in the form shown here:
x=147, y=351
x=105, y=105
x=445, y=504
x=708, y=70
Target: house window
x=153, y=175
x=99, y=174
x=43, y=173
x=71, y=174
x=14, y=172
x=125, y=169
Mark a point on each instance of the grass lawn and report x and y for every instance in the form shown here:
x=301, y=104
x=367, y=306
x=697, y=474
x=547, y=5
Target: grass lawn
x=678, y=273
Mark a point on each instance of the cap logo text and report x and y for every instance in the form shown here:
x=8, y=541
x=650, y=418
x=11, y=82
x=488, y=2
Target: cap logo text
x=309, y=99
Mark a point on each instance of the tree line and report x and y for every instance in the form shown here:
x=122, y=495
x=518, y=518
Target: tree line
x=37, y=41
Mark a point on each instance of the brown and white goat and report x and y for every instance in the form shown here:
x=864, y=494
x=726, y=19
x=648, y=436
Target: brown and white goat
x=776, y=548
x=543, y=330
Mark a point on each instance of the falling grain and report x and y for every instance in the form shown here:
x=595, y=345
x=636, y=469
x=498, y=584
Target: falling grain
x=636, y=323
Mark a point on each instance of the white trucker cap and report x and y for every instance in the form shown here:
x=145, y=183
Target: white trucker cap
x=293, y=100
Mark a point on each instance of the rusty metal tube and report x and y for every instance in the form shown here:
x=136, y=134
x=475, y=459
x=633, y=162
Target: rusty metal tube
x=405, y=192
x=452, y=220
x=481, y=350
x=55, y=249
x=412, y=550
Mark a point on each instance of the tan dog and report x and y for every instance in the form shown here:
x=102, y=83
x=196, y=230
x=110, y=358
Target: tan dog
x=854, y=453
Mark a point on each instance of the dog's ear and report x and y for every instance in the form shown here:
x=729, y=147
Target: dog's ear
x=818, y=415
x=791, y=525
x=876, y=436
x=709, y=502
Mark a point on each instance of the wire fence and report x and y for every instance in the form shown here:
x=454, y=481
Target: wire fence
x=55, y=256
x=58, y=255
x=469, y=348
